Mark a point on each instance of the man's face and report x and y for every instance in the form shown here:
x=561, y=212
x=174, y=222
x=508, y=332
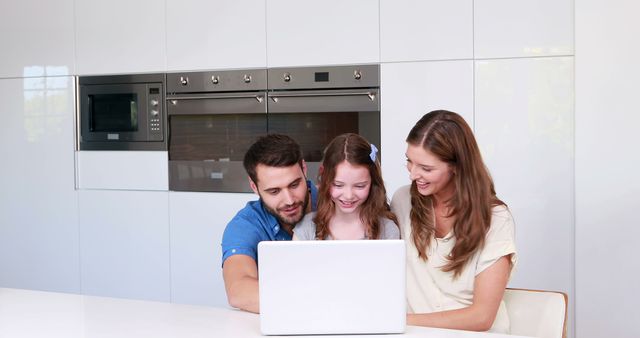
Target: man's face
x=283, y=191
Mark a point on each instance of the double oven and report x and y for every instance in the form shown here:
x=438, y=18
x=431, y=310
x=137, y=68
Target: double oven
x=213, y=117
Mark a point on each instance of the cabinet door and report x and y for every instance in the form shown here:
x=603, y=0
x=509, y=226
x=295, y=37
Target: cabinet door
x=204, y=34
x=417, y=30
x=410, y=90
x=38, y=202
x=197, y=222
x=124, y=244
x=524, y=126
x=304, y=32
x=37, y=38
x=123, y=170
x=505, y=28
x=120, y=36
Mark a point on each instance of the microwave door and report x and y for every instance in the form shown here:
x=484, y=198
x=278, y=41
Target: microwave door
x=114, y=112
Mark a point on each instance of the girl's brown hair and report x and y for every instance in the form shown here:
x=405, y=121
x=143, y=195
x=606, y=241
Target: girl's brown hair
x=446, y=135
x=354, y=149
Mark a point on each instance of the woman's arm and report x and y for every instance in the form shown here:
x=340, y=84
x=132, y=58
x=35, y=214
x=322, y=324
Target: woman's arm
x=489, y=288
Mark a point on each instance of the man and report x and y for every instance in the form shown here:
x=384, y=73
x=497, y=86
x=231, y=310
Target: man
x=277, y=173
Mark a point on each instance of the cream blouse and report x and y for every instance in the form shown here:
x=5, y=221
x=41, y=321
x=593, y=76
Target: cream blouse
x=429, y=289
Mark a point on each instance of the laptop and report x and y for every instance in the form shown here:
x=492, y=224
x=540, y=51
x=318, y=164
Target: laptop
x=332, y=287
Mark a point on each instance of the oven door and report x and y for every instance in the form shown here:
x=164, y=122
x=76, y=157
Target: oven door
x=208, y=137
x=314, y=118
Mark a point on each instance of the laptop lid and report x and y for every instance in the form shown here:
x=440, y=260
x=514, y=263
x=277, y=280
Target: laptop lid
x=332, y=287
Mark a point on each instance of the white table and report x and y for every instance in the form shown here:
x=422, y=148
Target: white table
x=27, y=313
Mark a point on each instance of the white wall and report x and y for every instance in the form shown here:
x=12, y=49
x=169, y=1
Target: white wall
x=607, y=157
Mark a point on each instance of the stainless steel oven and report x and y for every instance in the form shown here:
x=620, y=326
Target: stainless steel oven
x=213, y=119
x=122, y=112
x=215, y=116
x=315, y=104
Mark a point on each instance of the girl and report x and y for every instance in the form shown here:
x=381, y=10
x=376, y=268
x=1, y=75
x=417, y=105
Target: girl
x=459, y=235
x=352, y=200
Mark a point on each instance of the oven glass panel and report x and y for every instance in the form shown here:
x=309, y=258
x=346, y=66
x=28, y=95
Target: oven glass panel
x=113, y=112
x=314, y=131
x=206, y=151
x=220, y=138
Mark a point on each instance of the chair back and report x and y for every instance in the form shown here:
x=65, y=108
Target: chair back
x=537, y=313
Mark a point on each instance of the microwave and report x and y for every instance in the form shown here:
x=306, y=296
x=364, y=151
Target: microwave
x=122, y=112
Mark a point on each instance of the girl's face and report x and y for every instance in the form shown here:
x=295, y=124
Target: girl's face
x=432, y=175
x=350, y=188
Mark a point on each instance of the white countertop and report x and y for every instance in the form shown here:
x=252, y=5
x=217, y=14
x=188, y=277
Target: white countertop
x=27, y=313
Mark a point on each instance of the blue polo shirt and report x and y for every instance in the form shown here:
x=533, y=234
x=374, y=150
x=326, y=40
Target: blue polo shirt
x=254, y=224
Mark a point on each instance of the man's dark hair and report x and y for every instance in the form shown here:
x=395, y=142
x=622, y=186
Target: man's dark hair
x=273, y=150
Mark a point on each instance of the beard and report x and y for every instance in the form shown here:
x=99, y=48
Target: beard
x=289, y=220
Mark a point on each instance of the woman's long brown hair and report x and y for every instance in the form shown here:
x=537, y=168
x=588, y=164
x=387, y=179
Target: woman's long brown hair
x=446, y=135
x=354, y=149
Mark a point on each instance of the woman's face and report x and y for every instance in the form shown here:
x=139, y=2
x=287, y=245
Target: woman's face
x=432, y=175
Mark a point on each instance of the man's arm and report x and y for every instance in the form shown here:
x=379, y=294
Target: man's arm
x=240, y=273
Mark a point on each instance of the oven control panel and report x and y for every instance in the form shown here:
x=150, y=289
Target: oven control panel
x=155, y=116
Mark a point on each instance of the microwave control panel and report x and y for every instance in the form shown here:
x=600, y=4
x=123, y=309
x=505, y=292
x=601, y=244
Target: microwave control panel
x=155, y=115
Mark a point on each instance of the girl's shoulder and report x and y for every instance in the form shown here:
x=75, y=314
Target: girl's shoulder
x=385, y=220
x=308, y=217
x=306, y=229
x=307, y=221
x=389, y=229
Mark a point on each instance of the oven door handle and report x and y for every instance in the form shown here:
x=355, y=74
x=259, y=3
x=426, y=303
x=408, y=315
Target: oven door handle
x=370, y=94
x=217, y=104
x=318, y=101
x=172, y=98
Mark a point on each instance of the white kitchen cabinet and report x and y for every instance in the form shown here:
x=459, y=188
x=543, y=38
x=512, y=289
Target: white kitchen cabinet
x=417, y=30
x=305, y=32
x=120, y=36
x=506, y=28
x=607, y=183
x=123, y=170
x=37, y=38
x=124, y=244
x=38, y=203
x=197, y=222
x=204, y=34
x=524, y=125
x=410, y=90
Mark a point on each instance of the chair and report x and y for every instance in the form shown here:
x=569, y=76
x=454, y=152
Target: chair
x=537, y=313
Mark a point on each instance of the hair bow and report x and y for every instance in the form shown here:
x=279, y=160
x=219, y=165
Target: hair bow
x=373, y=153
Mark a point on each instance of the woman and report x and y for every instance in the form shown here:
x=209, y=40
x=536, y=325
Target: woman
x=352, y=200
x=459, y=235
